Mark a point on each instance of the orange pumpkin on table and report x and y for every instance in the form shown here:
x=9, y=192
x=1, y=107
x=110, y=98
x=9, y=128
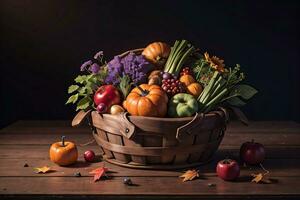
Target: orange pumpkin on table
x=63, y=153
x=147, y=100
x=157, y=53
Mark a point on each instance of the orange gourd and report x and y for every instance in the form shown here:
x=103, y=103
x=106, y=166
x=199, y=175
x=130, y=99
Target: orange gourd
x=191, y=85
x=187, y=80
x=147, y=100
x=157, y=53
x=194, y=89
x=63, y=153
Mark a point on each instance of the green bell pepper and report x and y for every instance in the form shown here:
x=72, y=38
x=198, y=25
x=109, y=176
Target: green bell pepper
x=182, y=105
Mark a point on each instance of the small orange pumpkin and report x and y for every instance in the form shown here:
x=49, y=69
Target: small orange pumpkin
x=187, y=79
x=63, y=153
x=194, y=89
x=157, y=53
x=191, y=85
x=147, y=100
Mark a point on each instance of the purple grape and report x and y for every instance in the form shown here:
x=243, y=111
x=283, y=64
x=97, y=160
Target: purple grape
x=166, y=75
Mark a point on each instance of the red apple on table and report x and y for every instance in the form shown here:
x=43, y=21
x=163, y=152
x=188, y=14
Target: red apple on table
x=252, y=153
x=107, y=95
x=89, y=156
x=228, y=169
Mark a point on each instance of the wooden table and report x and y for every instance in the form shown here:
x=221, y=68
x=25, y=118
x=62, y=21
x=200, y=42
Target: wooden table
x=29, y=142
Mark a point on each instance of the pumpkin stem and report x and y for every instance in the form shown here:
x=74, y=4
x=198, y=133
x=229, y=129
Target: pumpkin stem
x=144, y=92
x=63, y=140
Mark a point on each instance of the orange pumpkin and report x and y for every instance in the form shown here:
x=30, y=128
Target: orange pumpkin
x=187, y=80
x=194, y=89
x=157, y=53
x=191, y=85
x=63, y=153
x=147, y=100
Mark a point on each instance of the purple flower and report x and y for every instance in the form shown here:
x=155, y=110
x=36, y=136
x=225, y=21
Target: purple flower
x=86, y=65
x=135, y=66
x=98, y=55
x=94, y=68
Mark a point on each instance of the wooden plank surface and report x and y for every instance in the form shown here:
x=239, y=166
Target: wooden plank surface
x=14, y=167
x=146, y=186
x=29, y=142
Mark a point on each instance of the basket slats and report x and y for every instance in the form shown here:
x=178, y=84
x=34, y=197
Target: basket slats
x=201, y=138
x=183, y=157
x=116, y=139
x=154, y=142
x=168, y=141
x=136, y=141
x=102, y=134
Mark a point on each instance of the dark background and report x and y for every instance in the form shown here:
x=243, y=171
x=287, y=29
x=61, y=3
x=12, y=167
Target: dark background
x=43, y=43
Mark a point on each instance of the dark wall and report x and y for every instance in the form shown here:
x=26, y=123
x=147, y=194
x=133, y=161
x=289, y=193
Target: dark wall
x=43, y=44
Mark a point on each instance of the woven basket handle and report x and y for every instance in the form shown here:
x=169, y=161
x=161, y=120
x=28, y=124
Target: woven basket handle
x=79, y=117
x=188, y=129
x=195, y=124
x=127, y=129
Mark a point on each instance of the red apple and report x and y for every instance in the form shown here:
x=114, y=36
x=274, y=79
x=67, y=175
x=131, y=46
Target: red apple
x=252, y=153
x=89, y=156
x=108, y=95
x=228, y=169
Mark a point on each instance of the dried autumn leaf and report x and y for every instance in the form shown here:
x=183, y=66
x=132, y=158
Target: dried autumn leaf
x=98, y=173
x=43, y=170
x=189, y=175
x=260, y=178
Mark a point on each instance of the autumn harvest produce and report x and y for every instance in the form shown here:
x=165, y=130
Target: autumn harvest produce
x=165, y=91
x=63, y=153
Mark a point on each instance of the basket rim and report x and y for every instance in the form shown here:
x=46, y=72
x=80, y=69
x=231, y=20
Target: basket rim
x=165, y=119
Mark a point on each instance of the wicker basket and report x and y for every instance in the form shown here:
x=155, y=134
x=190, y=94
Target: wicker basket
x=156, y=143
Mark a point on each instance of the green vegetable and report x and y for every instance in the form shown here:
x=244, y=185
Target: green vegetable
x=213, y=93
x=182, y=105
x=224, y=88
x=82, y=93
x=179, y=54
x=125, y=85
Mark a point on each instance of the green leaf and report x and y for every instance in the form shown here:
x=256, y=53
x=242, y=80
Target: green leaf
x=80, y=79
x=235, y=101
x=125, y=85
x=89, y=90
x=73, y=88
x=84, y=103
x=91, y=86
x=72, y=99
x=245, y=91
x=93, y=79
x=82, y=90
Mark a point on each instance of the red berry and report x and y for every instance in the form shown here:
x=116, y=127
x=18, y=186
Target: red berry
x=101, y=108
x=89, y=156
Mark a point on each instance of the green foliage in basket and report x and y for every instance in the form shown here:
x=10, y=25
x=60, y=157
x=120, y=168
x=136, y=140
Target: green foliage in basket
x=221, y=84
x=82, y=92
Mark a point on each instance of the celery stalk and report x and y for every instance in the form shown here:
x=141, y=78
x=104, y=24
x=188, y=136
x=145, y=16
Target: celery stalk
x=183, y=59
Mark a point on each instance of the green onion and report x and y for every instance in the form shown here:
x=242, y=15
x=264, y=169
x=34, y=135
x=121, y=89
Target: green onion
x=178, y=56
